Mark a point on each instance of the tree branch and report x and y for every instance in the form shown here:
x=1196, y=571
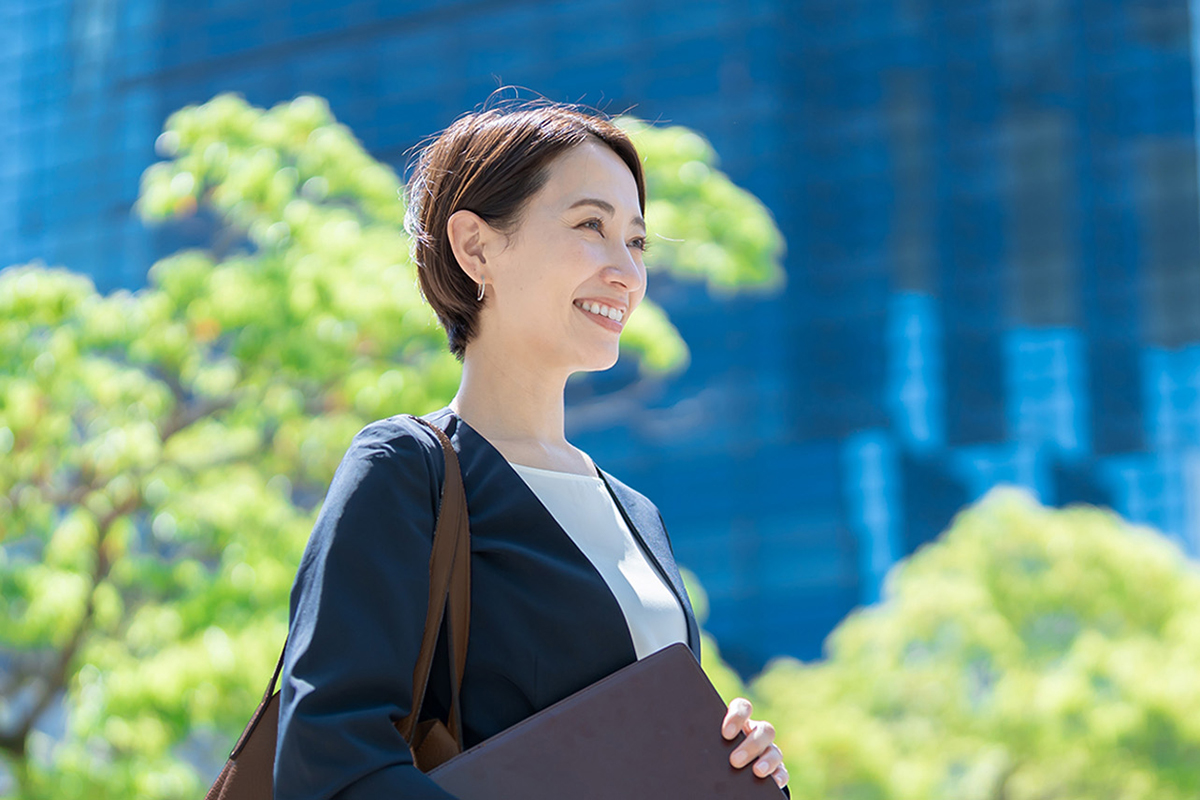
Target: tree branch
x=56, y=679
x=188, y=409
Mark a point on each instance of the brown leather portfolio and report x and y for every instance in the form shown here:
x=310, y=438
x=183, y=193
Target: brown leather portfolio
x=650, y=730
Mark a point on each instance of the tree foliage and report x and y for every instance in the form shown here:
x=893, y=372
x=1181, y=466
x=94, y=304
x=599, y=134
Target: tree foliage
x=1030, y=654
x=163, y=451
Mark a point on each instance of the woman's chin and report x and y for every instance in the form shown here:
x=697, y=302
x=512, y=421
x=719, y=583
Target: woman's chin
x=598, y=362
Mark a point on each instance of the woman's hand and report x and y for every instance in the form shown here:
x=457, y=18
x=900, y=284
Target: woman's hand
x=759, y=742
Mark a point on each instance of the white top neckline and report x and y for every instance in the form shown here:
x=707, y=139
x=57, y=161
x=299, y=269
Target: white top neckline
x=554, y=472
x=585, y=509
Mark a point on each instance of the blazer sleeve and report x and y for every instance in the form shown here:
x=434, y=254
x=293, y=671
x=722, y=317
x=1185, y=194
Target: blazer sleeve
x=357, y=615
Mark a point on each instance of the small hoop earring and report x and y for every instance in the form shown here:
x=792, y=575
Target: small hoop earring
x=479, y=296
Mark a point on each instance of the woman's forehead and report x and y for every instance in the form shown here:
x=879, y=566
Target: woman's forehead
x=591, y=171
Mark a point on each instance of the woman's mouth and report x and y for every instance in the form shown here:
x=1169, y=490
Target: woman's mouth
x=606, y=316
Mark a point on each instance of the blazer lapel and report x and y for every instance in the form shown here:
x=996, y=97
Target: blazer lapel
x=502, y=506
x=484, y=466
x=643, y=519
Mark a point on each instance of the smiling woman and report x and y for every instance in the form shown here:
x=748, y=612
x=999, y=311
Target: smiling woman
x=529, y=237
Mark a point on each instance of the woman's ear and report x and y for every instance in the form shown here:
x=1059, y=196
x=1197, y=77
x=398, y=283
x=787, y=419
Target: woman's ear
x=470, y=239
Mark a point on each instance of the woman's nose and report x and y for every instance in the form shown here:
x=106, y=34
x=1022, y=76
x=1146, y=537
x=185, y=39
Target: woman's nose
x=626, y=271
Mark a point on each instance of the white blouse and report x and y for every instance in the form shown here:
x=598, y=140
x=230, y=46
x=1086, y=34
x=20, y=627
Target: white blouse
x=583, y=507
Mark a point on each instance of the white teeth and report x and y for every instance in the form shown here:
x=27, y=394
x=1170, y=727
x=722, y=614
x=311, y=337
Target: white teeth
x=615, y=314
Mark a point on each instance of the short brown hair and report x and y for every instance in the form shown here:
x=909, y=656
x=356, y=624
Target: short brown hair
x=491, y=162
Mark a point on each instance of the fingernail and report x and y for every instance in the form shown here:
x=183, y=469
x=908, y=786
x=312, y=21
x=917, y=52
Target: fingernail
x=761, y=768
x=728, y=731
x=738, y=759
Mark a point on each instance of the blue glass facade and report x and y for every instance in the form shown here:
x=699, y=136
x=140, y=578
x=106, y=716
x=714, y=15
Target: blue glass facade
x=990, y=206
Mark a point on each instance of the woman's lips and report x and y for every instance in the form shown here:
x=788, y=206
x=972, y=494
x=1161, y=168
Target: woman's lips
x=600, y=318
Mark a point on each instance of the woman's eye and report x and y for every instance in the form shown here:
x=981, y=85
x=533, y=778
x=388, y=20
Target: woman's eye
x=594, y=224
x=640, y=244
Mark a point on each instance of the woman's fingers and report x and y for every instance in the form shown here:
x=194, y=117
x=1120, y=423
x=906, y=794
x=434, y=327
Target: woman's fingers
x=758, y=744
x=768, y=762
x=781, y=776
x=759, y=736
x=736, y=717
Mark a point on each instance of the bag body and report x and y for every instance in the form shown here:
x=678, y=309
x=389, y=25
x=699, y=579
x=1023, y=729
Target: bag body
x=249, y=772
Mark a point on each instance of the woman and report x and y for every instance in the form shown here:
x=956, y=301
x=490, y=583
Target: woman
x=529, y=238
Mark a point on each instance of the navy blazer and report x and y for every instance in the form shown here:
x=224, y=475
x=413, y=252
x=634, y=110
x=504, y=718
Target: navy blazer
x=544, y=623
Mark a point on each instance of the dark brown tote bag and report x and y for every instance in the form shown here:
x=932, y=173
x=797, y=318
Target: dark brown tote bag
x=249, y=772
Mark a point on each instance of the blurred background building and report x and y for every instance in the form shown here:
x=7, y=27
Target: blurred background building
x=990, y=207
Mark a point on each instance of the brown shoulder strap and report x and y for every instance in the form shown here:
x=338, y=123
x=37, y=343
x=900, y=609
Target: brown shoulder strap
x=263, y=705
x=449, y=586
x=449, y=583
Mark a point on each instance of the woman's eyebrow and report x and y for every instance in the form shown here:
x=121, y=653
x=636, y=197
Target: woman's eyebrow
x=606, y=207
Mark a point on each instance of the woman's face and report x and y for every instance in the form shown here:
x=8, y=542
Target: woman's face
x=563, y=284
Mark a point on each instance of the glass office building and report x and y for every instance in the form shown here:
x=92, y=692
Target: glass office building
x=990, y=207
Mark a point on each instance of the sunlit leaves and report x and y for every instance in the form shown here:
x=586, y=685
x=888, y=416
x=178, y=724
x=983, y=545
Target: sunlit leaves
x=36, y=296
x=650, y=334
x=249, y=164
x=1029, y=653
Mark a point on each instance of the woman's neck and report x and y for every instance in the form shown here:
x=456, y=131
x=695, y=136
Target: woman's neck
x=509, y=400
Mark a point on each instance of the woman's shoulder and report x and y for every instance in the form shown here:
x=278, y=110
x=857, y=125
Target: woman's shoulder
x=398, y=442
x=391, y=462
x=393, y=436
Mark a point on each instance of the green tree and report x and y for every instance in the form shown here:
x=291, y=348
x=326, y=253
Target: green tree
x=163, y=452
x=1030, y=654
